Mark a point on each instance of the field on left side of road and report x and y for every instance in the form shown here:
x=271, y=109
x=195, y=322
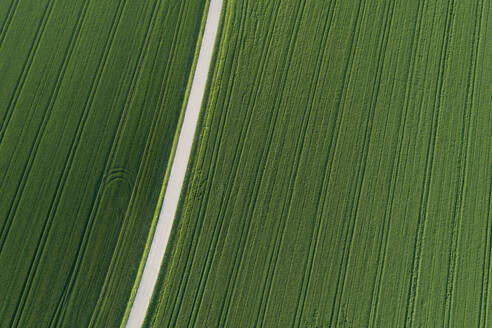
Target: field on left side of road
x=91, y=95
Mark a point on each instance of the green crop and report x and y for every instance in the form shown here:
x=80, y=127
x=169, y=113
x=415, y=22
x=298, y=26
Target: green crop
x=341, y=176
x=91, y=95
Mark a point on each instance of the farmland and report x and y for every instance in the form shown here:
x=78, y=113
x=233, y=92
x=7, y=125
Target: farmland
x=342, y=171
x=91, y=96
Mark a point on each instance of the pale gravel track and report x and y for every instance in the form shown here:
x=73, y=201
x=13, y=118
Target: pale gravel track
x=178, y=170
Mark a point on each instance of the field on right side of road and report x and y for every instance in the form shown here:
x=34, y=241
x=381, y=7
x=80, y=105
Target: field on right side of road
x=342, y=173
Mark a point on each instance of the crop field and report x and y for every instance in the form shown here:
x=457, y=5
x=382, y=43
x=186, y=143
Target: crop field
x=91, y=95
x=342, y=171
x=340, y=176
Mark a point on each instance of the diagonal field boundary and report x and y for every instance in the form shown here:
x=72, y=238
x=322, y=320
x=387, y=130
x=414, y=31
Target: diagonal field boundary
x=178, y=169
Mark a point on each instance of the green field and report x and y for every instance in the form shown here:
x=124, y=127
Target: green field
x=342, y=172
x=91, y=95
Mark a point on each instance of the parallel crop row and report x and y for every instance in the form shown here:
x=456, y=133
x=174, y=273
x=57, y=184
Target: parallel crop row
x=342, y=173
x=91, y=94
